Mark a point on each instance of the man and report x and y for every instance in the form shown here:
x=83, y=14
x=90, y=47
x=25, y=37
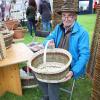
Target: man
x=30, y=14
x=2, y=6
x=71, y=36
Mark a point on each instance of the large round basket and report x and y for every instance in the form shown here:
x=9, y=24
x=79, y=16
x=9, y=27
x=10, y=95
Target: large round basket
x=56, y=66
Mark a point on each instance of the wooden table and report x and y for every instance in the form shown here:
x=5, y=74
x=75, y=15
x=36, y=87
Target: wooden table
x=9, y=69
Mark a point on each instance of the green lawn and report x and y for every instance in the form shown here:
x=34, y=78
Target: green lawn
x=83, y=87
x=88, y=21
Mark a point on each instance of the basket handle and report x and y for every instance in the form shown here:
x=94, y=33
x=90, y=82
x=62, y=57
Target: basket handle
x=45, y=51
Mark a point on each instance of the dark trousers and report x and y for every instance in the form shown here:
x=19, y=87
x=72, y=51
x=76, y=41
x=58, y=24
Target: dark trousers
x=31, y=26
x=50, y=90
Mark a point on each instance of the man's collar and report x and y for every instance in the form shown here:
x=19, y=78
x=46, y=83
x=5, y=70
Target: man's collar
x=74, y=28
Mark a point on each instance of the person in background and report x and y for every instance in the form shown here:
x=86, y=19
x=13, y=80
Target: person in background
x=45, y=12
x=0, y=12
x=95, y=6
x=30, y=14
x=71, y=36
x=7, y=10
x=2, y=6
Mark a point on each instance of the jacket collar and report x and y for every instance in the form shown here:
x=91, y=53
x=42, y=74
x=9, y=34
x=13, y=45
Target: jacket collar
x=74, y=29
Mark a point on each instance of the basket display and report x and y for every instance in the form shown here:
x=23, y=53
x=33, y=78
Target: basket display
x=28, y=79
x=94, y=68
x=56, y=66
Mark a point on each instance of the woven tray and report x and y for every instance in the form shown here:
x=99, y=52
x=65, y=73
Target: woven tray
x=56, y=67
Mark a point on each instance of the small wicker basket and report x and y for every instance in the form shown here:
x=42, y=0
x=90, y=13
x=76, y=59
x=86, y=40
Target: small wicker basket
x=56, y=66
x=18, y=33
x=8, y=37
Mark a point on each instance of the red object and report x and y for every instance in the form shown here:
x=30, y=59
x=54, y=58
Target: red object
x=95, y=5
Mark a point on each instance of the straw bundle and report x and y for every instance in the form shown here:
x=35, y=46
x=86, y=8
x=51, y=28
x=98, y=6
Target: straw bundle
x=57, y=4
x=94, y=63
x=94, y=45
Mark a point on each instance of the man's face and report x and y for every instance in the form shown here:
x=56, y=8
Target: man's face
x=68, y=18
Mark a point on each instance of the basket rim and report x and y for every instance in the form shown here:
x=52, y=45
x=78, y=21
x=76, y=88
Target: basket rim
x=57, y=50
x=53, y=81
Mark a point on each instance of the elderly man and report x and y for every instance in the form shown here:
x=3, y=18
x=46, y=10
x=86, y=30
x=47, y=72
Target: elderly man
x=71, y=36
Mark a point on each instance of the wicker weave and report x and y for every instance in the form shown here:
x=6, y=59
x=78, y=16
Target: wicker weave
x=70, y=5
x=63, y=5
x=94, y=62
x=56, y=56
x=8, y=38
x=19, y=33
x=94, y=46
x=2, y=48
x=11, y=24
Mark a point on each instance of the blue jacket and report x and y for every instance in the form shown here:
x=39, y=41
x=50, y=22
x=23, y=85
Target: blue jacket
x=78, y=47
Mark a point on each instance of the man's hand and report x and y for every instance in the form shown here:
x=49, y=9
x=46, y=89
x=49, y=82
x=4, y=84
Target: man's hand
x=51, y=44
x=69, y=75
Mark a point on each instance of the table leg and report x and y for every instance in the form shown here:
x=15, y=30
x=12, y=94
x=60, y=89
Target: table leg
x=11, y=79
x=2, y=84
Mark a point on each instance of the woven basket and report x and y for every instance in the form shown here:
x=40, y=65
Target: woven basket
x=11, y=24
x=2, y=48
x=57, y=65
x=8, y=38
x=19, y=33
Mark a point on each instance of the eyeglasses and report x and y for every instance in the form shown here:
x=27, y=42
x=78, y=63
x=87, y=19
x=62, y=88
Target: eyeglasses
x=68, y=17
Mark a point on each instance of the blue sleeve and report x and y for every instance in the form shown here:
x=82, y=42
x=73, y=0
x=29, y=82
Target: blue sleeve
x=84, y=53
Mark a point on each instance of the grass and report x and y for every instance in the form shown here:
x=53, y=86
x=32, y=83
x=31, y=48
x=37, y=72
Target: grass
x=88, y=21
x=83, y=87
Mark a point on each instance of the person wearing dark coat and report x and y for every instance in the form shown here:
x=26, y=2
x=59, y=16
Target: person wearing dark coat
x=45, y=11
x=30, y=14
